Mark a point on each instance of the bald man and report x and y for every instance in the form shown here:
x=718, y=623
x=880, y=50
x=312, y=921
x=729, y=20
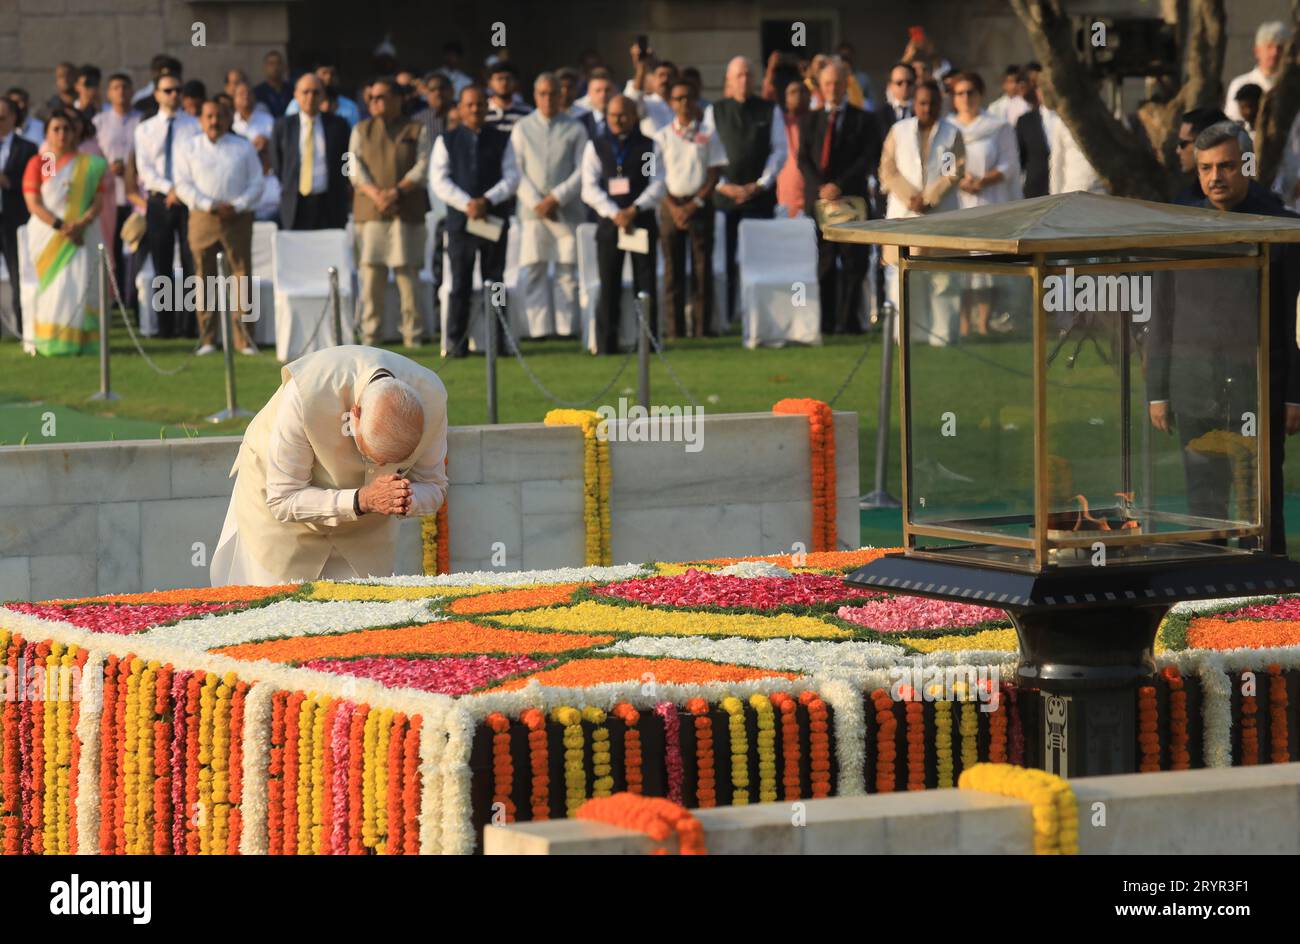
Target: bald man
x=354, y=439
x=306, y=156
x=752, y=132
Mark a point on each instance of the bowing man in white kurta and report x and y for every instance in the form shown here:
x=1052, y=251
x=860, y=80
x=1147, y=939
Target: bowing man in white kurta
x=548, y=150
x=354, y=439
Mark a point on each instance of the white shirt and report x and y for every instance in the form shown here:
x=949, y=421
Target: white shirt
x=289, y=459
x=594, y=195
x=1253, y=77
x=150, y=141
x=446, y=190
x=116, y=134
x=6, y=143
x=319, y=177
x=227, y=170
x=688, y=153
x=258, y=123
x=1069, y=170
x=1009, y=108
x=778, y=147
x=655, y=112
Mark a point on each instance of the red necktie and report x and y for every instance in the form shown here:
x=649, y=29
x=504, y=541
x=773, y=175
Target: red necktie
x=826, y=142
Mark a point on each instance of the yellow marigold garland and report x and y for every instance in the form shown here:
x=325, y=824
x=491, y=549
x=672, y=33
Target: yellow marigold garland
x=602, y=768
x=207, y=712
x=63, y=756
x=381, y=780
x=130, y=770
x=766, y=739
x=575, y=777
x=943, y=743
x=596, y=480
x=739, y=741
x=50, y=754
x=970, y=727
x=1056, y=815
x=435, y=538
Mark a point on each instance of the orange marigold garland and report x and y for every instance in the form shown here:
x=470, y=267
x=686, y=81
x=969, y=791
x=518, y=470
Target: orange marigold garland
x=886, y=740
x=275, y=778
x=503, y=768
x=1148, y=729
x=539, y=797
x=915, y=715
x=1249, y=732
x=411, y=787
x=657, y=817
x=821, y=441
x=631, y=746
x=819, y=743
x=998, y=731
x=1278, y=742
x=162, y=762
x=705, y=793
x=396, y=768
x=1179, y=758
x=356, y=775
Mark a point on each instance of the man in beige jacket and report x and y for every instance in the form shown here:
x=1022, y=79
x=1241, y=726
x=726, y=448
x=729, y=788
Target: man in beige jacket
x=355, y=438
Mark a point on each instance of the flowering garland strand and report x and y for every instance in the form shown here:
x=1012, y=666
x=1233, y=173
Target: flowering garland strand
x=821, y=442
x=503, y=768
x=632, y=760
x=705, y=777
x=435, y=538
x=656, y=817
x=766, y=743
x=790, y=748
x=1278, y=742
x=739, y=749
x=595, y=479
x=674, y=771
x=1148, y=729
x=886, y=740
x=819, y=743
x=1016, y=737
x=575, y=776
x=1056, y=815
x=1179, y=758
x=915, y=715
x=943, y=743
x=1249, y=731
x=539, y=797
x=602, y=766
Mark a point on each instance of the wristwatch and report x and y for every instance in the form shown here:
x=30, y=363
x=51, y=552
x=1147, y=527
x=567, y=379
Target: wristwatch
x=58, y=223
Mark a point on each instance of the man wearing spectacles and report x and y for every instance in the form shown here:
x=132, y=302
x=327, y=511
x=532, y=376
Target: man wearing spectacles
x=898, y=97
x=158, y=142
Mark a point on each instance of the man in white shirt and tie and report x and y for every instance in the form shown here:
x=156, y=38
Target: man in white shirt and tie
x=219, y=177
x=158, y=141
x=548, y=150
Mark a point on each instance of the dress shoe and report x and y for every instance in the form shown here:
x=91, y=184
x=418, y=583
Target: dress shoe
x=205, y=350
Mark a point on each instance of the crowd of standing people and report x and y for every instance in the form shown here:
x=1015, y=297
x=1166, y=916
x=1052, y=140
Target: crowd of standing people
x=175, y=168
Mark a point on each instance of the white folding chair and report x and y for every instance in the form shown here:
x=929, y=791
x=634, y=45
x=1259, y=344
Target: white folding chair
x=300, y=265
x=779, y=299
x=263, y=285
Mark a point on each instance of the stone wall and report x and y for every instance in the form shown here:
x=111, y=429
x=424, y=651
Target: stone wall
x=1233, y=811
x=123, y=35
x=121, y=517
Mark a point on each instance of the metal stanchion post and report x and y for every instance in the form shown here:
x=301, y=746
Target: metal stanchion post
x=880, y=497
x=334, y=300
x=489, y=312
x=232, y=409
x=105, y=316
x=643, y=350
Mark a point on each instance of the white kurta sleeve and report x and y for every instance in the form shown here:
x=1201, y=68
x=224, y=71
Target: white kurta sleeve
x=593, y=194
x=252, y=171
x=569, y=189
x=289, y=457
x=505, y=188
x=444, y=188
x=777, y=154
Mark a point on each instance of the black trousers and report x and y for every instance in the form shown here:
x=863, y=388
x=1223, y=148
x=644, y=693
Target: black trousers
x=166, y=226
x=761, y=207
x=462, y=249
x=699, y=236
x=841, y=267
x=315, y=212
x=609, y=260
x=9, y=248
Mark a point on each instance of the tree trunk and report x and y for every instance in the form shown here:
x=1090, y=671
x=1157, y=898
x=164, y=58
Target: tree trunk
x=1131, y=163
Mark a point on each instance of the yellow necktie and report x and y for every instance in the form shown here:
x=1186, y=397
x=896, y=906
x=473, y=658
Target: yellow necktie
x=308, y=157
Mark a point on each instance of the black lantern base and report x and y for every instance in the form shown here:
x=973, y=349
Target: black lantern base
x=1087, y=638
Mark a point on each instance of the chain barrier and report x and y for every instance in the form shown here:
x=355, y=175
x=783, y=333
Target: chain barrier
x=866, y=349
x=659, y=353
x=121, y=307
x=537, y=381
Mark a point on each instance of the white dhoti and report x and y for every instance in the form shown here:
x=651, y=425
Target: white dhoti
x=550, y=305
x=233, y=564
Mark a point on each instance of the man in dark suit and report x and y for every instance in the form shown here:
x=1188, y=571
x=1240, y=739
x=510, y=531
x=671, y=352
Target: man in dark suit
x=898, y=97
x=15, y=152
x=1035, y=154
x=1202, y=346
x=839, y=147
x=315, y=195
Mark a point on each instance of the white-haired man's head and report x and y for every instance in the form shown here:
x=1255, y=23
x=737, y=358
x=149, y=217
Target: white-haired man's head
x=1270, y=39
x=738, y=80
x=387, y=421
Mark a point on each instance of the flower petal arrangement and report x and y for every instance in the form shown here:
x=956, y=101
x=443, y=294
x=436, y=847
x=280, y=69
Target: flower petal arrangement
x=392, y=715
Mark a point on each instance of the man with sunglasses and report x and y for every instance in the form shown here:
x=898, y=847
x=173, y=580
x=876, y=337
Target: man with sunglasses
x=158, y=143
x=354, y=439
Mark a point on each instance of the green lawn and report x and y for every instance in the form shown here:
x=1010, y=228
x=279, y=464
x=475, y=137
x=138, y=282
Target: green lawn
x=984, y=386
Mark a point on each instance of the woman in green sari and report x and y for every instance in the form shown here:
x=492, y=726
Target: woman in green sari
x=62, y=189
